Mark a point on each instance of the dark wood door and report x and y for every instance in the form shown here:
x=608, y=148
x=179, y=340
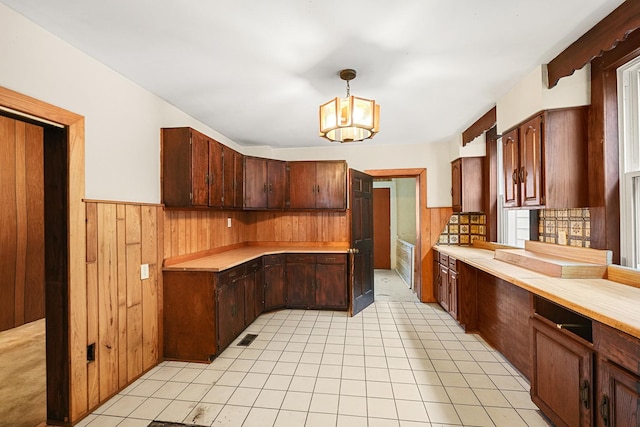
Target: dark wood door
x=216, y=176
x=331, y=185
x=276, y=184
x=562, y=376
x=619, y=396
x=331, y=281
x=510, y=168
x=199, y=169
x=361, y=202
x=274, y=282
x=255, y=182
x=301, y=277
x=531, y=162
x=456, y=185
x=382, y=228
x=302, y=185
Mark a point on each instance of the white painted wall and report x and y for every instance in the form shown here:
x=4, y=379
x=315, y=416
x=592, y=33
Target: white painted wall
x=122, y=120
x=406, y=194
x=531, y=95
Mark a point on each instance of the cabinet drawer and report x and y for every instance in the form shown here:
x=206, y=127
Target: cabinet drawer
x=253, y=266
x=617, y=346
x=444, y=258
x=273, y=259
x=452, y=264
x=231, y=274
x=331, y=259
x=301, y=258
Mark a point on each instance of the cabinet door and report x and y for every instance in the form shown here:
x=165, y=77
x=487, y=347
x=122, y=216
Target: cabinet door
x=238, y=177
x=456, y=185
x=444, y=286
x=228, y=181
x=619, y=396
x=255, y=182
x=250, y=295
x=561, y=384
x=276, y=184
x=510, y=168
x=301, y=275
x=230, y=304
x=331, y=185
x=274, y=286
x=530, y=173
x=199, y=169
x=302, y=185
x=215, y=175
x=331, y=281
x=453, y=294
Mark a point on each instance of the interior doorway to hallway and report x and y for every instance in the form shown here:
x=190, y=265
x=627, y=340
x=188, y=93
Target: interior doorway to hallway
x=396, y=221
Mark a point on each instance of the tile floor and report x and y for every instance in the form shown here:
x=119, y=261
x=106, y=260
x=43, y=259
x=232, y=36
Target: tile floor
x=394, y=364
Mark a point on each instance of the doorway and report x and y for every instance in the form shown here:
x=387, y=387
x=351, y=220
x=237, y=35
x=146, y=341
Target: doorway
x=64, y=248
x=396, y=229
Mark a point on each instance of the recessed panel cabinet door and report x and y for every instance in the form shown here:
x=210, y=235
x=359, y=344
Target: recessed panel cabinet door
x=199, y=169
x=301, y=277
x=510, y=168
x=619, y=397
x=302, y=182
x=230, y=312
x=331, y=185
x=530, y=173
x=274, y=285
x=255, y=182
x=276, y=184
x=331, y=280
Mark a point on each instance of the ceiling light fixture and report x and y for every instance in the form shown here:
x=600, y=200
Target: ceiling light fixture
x=351, y=118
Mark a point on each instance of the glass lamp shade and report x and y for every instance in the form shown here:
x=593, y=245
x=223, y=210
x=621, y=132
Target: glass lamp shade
x=349, y=119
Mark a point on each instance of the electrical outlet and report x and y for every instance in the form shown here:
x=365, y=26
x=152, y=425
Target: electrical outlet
x=229, y=222
x=144, y=271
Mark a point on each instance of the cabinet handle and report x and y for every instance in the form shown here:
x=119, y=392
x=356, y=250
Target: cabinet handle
x=313, y=189
x=522, y=174
x=584, y=394
x=514, y=177
x=270, y=188
x=604, y=410
x=234, y=310
x=318, y=188
x=206, y=178
x=264, y=188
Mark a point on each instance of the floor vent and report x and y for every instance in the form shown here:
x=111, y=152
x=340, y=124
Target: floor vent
x=248, y=339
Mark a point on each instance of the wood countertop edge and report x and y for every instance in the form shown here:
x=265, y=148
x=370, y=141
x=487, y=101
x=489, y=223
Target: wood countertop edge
x=247, y=254
x=527, y=282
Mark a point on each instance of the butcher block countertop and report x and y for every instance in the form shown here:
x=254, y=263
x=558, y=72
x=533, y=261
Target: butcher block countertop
x=609, y=302
x=238, y=255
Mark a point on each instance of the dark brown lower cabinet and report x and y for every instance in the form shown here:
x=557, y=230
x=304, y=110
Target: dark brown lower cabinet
x=561, y=384
x=317, y=281
x=189, y=305
x=231, y=305
x=275, y=291
x=301, y=271
x=619, y=401
x=331, y=278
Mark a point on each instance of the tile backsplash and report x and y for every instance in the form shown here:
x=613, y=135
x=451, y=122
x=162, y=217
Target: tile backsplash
x=575, y=223
x=463, y=228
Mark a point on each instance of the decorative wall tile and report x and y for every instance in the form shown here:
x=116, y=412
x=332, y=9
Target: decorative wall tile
x=575, y=223
x=463, y=229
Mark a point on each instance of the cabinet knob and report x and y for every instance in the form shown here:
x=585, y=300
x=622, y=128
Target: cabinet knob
x=522, y=174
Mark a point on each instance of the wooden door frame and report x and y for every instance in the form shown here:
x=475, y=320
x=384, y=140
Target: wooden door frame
x=423, y=244
x=71, y=379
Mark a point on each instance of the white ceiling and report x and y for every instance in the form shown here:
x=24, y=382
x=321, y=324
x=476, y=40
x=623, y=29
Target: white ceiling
x=256, y=71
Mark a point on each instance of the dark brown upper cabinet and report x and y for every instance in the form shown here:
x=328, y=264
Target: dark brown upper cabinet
x=265, y=183
x=318, y=185
x=467, y=193
x=545, y=160
x=197, y=171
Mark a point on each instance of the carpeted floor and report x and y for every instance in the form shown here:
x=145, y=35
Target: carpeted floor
x=23, y=381
x=389, y=287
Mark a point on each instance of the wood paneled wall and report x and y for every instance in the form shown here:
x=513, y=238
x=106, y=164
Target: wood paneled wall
x=187, y=232
x=123, y=312
x=22, y=276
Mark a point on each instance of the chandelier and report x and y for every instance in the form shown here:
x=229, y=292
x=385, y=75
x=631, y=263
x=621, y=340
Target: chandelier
x=351, y=118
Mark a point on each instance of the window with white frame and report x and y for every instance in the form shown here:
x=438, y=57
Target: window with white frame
x=629, y=131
